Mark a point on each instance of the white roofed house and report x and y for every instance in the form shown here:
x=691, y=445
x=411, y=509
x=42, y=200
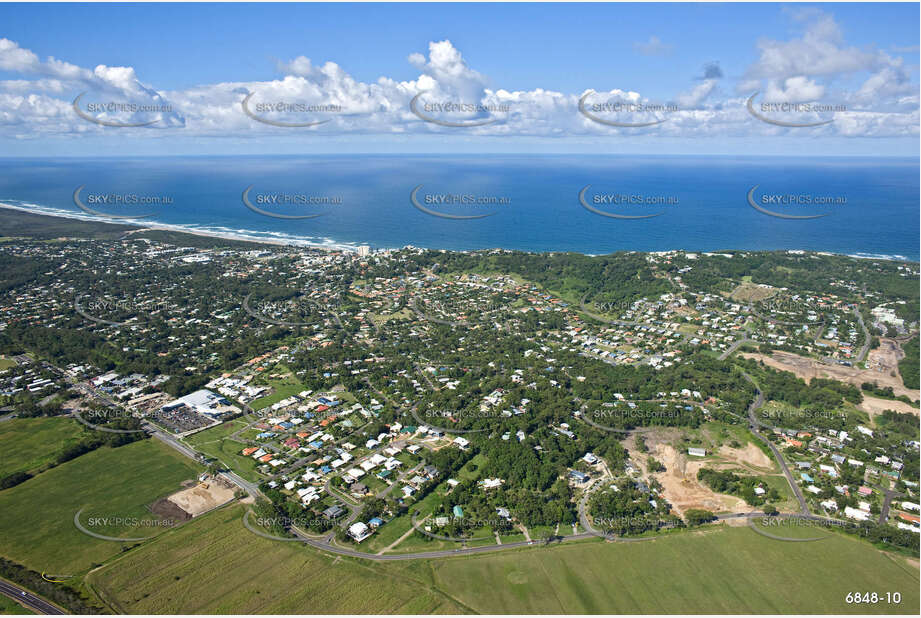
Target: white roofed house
x=359, y=531
x=857, y=514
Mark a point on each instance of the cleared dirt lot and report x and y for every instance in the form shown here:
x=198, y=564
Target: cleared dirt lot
x=750, y=456
x=682, y=489
x=752, y=292
x=807, y=368
x=200, y=499
x=875, y=405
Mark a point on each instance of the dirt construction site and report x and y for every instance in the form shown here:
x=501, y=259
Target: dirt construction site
x=202, y=497
x=882, y=363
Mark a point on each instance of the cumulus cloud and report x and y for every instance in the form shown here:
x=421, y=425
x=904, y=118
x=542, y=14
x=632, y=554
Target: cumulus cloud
x=802, y=68
x=807, y=65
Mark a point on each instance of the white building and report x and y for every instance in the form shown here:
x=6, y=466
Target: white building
x=359, y=531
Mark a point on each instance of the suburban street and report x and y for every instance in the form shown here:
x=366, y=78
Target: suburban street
x=754, y=425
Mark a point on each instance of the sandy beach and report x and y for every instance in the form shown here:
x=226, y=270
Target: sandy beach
x=143, y=227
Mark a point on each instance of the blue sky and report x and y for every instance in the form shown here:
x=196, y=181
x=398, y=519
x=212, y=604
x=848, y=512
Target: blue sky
x=199, y=61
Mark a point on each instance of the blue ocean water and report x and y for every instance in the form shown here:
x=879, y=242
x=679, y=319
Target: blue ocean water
x=873, y=209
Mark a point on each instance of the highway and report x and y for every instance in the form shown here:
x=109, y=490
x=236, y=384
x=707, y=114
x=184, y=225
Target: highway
x=24, y=597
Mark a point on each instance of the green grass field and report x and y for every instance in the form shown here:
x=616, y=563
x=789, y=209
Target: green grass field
x=215, y=443
x=283, y=387
x=213, y=565
x=30, y=443
x=726, y=570
x=36, y=517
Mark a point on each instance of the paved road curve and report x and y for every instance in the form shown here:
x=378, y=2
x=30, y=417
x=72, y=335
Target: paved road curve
x=754, y=424
x=20, y=595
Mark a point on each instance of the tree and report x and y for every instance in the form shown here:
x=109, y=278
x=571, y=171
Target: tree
x=696, y=517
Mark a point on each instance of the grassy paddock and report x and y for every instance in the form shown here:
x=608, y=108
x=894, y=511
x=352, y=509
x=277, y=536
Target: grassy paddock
x=36, y=517
x=722, y=570
x=210, y=566
x=214, y=565
x=31, y=443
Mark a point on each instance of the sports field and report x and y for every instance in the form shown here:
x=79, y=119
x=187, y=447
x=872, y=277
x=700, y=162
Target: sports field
x=214, y=565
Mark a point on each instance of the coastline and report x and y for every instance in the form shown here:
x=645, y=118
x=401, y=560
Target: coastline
x=335, y=247
x=206, y=233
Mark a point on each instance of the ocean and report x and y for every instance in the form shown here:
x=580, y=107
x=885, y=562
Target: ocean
x=866, y=207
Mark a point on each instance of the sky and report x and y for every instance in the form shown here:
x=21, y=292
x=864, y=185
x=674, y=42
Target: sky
x=827, y=79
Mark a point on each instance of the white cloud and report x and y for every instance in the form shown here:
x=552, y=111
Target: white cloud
x=800, y=69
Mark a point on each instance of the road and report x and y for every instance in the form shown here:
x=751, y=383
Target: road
x=735, y=346
x=866, y=337
x=754, y=424
x=684, y=336
x=888, y=495
x=250, y=488
x=326, y=545
x=23, y=596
